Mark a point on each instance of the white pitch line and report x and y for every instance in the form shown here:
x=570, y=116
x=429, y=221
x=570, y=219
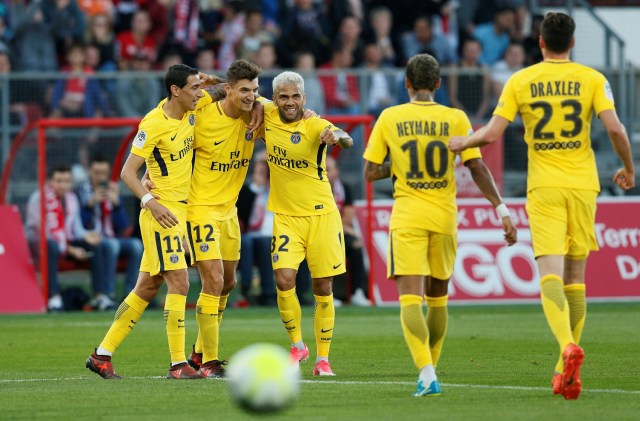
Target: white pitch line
x=356, y=382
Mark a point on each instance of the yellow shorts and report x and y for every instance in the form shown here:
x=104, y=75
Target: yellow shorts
x=163, y=247
x=319, y=238
x=210, y=238
x=415, y=251
x=562, y=221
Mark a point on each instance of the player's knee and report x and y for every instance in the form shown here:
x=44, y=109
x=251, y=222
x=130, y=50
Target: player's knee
x=323, y=287
x=229, y=284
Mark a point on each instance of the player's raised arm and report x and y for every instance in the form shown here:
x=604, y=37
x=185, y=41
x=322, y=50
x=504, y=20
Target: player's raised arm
x=337, y=137
x=129, y=176
x=484, y=180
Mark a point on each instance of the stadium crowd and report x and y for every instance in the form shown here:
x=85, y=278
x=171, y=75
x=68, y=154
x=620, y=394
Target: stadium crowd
x=492, y=38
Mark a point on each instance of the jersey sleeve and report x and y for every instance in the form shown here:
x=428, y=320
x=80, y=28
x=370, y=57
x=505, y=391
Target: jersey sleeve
x=507, y=103
x=377, y=148
x=205, y=100
x=463, y=128
x=602, y=95
x=145, y=140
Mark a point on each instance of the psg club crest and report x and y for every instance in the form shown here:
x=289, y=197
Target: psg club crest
x=295, y=138
x=204, y=247
x=248, y=135
x=275, y=258
x=174, y=258
x=192, y=119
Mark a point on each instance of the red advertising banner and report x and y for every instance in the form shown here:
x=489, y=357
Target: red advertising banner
x=493, y=158
x=20, y=290
x=486, y=270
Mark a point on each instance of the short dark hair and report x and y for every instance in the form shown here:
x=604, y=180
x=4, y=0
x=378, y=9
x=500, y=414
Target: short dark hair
x=60, y=168
x=178, y=74
x=242, y=69
x=557, y=31
x=98, y=158
x=423, y=72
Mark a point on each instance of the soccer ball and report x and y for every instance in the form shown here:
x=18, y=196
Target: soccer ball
x=261, y=378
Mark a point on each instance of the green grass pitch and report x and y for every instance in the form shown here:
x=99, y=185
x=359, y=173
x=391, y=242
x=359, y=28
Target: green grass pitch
x=497, y=364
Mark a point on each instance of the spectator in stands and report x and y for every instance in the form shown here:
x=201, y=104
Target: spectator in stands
x=230, y=32
x=381, y=23
x=494, y=37
x=138, y=39
x=306, y=28
x=102, y=36
x=125, y=15
x=349, y=37
x=186, y=28
x=206, y=61
x=210, y=19
x=423, y=39
x=102, y=211
x=79, y=95
x=256, y=224
x=66, y=238
x=341, y=90
x=254, y=36
x=502, y=70
x=380, y=86
x=92, y=8
x=67, y=23
x=267, y=60
x=353, y=244
x=18, y=91
x=92, y=60
x=305, y=64
x=34, y=45
x=169, y=59
x=338, y=9
x=531, y=43
x=470, y=84
x=139, y=93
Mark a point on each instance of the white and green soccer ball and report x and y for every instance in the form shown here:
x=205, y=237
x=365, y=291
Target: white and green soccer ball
x=261, y=378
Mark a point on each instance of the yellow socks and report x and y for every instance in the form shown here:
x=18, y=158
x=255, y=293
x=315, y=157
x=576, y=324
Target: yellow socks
x=415, y=330
x=125, y=319
x=576, y=298
x=556, y=309
x=324, y=317
x=291, y=314
x=221, y=307
x=437, y=321
x=174, y=306
x=208, y=329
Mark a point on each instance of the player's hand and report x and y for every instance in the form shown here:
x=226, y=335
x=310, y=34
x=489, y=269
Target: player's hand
x=624, y=179
x=328, y=137
x=307, y=114
x=164, y=216
x=113, y=193
x=208, y=80
x=456, y=144
x=510, y=232
x=93, y=238
x=78, y=253
x=257, y=116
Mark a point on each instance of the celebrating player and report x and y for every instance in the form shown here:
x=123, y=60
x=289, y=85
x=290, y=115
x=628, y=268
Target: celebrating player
x=557, y=99
x=307, y=222
x=165, y=143
x=423, y=225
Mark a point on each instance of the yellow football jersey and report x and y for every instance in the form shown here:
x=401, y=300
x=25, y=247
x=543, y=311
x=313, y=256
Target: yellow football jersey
x=556, y=99
x=223, y=148
x=296, y=158
x=415, y=136
x=166, y=144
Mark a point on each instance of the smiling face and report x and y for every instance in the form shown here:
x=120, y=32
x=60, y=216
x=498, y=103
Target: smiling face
x=290, y=101
x=189, y=94
x=242, y=94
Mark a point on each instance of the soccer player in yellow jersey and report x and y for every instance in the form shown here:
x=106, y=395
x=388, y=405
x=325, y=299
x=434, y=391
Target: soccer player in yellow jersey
x=223, y=147
x=423, y=225
x=557, y=99
x=165, y=143
x=307, y=222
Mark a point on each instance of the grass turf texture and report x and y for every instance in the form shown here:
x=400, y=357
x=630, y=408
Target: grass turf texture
x=497, y=364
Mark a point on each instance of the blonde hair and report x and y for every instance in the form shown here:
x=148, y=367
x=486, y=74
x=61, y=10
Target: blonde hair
x=288, y=78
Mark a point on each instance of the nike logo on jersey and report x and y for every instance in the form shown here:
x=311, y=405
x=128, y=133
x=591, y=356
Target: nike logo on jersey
x=267, y=129
x=326, y=330
x=174, y=136
x=180, y=320
x=337, y=266
x=288, y=321
x=218, y=143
